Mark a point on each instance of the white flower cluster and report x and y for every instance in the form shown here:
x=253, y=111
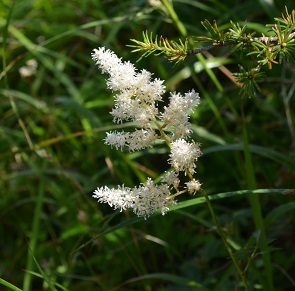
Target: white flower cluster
x=183, y=156
x=136, y=99
x=144, y=200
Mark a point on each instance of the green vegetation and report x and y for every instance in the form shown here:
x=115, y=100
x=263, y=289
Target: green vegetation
x=54, y=117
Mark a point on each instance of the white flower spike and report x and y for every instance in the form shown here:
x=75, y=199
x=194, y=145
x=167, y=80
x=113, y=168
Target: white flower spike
x=136, y=99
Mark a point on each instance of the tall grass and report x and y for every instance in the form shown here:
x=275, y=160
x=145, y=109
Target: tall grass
x=54, y=236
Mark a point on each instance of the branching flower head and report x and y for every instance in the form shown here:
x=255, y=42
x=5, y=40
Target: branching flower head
x=137, y=96
x=136, y=99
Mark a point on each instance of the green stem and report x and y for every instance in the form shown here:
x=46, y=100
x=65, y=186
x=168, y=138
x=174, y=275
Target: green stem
x=175, y=18
x=222, y=235
x=183, y=32
x=163, y=134
x=35, y=230
x=255, y=202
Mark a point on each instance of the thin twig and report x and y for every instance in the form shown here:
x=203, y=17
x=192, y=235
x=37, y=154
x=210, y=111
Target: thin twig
x=265, y=39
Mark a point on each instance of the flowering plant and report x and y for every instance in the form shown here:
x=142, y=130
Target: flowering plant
x=136, y=99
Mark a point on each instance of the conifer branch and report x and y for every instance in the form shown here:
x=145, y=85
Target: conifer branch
x=268, y=50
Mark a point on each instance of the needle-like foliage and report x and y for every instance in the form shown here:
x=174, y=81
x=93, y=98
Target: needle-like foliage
x=265, y=50
x=159, y=45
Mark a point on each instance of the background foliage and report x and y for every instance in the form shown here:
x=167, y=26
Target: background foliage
x=52, y=153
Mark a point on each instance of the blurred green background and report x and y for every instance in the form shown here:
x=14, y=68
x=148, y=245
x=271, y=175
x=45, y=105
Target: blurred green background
x=52, y=155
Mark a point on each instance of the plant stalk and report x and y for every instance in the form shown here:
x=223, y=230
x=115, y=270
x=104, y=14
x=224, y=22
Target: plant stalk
x=222, y=235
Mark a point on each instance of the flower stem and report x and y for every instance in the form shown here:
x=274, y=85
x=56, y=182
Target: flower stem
x=163, y=135
x=241, y=273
